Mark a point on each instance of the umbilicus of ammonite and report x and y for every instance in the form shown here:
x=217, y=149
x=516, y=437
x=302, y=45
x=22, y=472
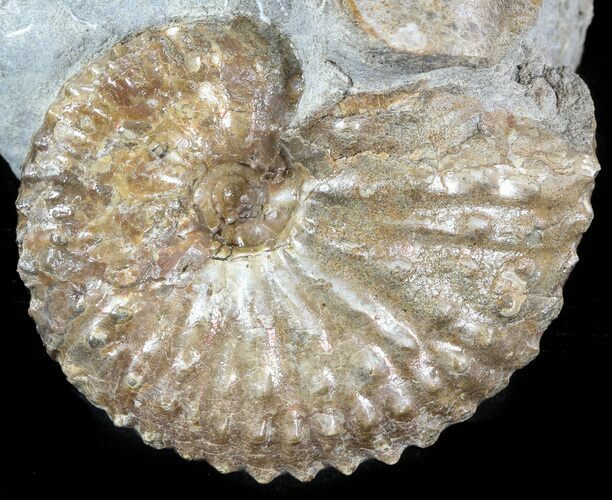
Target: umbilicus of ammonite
x=282, y=298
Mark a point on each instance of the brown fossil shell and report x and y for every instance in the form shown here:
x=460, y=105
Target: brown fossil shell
x=282, y=299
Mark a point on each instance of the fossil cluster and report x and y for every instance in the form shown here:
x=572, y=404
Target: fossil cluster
x=279, y=250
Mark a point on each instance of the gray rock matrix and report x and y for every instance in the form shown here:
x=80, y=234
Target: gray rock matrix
x=44, y=42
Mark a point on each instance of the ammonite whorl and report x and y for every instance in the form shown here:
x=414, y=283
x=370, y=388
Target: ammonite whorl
x=278, y=298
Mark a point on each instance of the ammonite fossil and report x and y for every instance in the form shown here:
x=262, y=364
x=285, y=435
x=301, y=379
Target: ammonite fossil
x=278, y=294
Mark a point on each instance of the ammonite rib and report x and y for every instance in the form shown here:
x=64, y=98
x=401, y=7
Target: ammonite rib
x=277, y=299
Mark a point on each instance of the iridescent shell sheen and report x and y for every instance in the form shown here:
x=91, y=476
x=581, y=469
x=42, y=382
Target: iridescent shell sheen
x=282, y=298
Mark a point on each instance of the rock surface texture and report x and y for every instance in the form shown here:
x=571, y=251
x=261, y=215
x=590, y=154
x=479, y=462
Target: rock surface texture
x=280, y=235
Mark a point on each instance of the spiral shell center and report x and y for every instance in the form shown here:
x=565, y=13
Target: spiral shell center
x=243, y=208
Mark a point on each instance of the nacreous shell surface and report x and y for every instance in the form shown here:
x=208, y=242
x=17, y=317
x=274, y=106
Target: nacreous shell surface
x=282, y=299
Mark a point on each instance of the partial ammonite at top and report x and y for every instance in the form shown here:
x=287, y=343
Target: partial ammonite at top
x=476, y=30
x=278, y=295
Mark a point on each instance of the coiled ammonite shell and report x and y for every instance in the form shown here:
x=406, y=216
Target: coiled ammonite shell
x=280, y=296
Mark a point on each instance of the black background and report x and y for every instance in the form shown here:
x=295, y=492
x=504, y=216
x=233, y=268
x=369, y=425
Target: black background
x=549, y=431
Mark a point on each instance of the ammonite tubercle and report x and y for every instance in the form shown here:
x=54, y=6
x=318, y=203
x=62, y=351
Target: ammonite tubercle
x=280, y=295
